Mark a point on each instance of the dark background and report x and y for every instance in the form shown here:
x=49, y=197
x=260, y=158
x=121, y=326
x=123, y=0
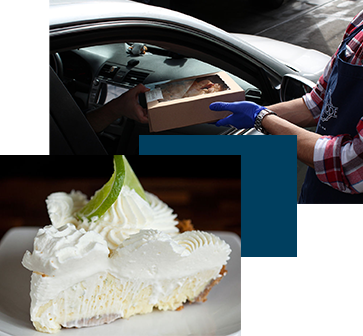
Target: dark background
x=205, y=189
x=205, y=166
x=30, y=160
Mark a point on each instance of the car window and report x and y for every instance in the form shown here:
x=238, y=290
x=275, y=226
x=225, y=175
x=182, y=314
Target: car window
x=97, y=64
x=120, y=64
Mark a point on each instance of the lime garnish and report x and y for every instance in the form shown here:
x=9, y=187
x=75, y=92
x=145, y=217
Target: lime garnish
x=107, y=195
x=131, y=179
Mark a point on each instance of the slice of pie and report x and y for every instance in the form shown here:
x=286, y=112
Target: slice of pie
x=128, y=261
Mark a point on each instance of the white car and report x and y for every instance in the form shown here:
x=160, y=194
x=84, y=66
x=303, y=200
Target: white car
x=90, y=51
x=266, y=4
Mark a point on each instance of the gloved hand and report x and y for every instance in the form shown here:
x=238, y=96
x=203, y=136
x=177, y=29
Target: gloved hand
x=244, y=113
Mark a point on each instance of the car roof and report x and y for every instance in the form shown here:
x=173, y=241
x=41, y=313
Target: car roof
x=66, y=12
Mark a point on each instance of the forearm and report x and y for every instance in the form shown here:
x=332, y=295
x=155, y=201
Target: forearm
x=126, y=105
x=101, y=117
x=294, y=111
x=290, y=114
x=305, y=139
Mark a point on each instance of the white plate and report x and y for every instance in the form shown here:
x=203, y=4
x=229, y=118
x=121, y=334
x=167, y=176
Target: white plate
x=220, y=315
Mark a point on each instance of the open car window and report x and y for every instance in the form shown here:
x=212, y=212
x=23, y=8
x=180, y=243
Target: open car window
x=95, y=75
x=98, y=64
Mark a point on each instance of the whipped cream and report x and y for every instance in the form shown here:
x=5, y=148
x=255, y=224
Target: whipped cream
x=133, y=249
x=129, y=214
x=155, y=255
x=149, y=254
x=67, y=259
x=62, y=250
x=62, y=207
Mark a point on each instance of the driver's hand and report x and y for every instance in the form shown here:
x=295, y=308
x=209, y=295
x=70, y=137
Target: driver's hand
x=128, y=105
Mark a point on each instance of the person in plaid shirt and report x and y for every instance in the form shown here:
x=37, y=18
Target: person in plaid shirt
x=338, y=154
x=334, y=153
x=332, y=193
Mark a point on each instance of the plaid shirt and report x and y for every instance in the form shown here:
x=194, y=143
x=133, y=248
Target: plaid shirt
x=338, y=160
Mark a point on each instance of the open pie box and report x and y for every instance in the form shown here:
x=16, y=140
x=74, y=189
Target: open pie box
x=185, y=102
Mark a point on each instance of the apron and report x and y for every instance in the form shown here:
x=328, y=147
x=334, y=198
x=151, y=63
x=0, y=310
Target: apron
x=341, y=112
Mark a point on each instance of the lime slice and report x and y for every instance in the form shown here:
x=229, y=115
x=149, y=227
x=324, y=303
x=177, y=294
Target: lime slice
x=132, y=181
x=107, y=195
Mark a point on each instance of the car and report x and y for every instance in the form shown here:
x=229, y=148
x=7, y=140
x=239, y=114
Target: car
x=242, y=4
x=90, y=43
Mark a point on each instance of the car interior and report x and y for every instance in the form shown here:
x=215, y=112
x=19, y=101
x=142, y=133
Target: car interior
x=50, y=118
x=93, y=75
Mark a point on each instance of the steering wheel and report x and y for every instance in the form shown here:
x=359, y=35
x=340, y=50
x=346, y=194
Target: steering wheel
x=57, y=65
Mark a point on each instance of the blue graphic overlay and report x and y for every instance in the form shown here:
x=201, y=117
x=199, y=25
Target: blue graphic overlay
x=279, y=241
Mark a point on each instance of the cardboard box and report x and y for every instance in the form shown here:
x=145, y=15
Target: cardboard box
x=170, y=105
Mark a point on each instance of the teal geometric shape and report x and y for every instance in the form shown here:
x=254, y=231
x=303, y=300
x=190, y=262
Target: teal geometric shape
x=279, y=241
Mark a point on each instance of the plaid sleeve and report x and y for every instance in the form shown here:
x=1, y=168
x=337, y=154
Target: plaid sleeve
x=338, y=161
x=315, y=99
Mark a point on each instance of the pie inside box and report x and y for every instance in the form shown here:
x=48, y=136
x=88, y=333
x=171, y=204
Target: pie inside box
x=186, y=101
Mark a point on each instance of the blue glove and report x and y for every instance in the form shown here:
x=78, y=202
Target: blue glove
x=244, y=113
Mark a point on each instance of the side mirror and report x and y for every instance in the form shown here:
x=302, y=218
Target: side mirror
x=294, y=86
